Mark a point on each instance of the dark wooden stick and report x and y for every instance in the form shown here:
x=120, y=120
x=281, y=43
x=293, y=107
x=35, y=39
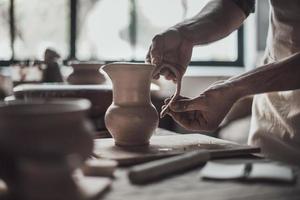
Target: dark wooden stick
x=152, y=171
x=148, y=172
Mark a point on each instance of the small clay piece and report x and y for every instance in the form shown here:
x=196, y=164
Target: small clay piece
x=131, y=118
x=99, y=167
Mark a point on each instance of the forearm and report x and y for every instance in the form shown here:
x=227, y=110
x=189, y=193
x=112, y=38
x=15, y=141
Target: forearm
x=279, y=76
x=215, y=21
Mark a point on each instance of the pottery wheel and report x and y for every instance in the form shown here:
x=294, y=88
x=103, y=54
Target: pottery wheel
x=163, y=146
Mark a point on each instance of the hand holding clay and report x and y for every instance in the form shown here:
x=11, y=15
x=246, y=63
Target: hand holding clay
x=171, y=53
x=207, y=111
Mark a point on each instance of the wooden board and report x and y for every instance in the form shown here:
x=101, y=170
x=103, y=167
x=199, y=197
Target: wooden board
x=168, y=145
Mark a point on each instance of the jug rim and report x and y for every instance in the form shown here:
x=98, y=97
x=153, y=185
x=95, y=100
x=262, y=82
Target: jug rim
x=132, y=65
x=38, y=106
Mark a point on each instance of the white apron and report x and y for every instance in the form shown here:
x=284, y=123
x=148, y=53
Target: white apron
x=275, y=123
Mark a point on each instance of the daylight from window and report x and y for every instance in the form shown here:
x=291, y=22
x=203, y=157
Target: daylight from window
x=106, y=29
x=5, y=48
x=41, y=24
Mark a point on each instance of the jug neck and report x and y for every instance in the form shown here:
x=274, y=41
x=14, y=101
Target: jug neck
x=131, y=93
x=131, y=83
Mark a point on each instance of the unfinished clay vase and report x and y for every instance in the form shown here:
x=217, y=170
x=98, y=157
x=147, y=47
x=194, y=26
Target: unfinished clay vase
x=131, y=118
x=41, y=143
x=86, y=73
x=46, y=127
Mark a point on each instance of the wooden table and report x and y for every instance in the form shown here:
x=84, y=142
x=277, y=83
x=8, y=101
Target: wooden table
x=189, y=186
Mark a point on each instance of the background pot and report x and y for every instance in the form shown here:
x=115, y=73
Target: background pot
x=39, y=127
x=99, y=95
x=41, y=143
x=86, y=73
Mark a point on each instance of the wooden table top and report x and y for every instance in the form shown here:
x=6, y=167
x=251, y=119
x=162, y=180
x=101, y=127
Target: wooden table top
x=189, y=186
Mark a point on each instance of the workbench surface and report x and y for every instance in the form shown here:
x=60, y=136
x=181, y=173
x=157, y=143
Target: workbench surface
x=189, y=186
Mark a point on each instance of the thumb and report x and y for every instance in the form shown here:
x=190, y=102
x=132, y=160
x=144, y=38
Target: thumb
x=184, y=105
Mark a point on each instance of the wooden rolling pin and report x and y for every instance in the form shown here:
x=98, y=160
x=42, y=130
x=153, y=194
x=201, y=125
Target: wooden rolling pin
x=148, y=172
x=151, y=171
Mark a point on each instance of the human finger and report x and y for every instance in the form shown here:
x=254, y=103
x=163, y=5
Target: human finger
x=170, y=76
x=180, y=118
x=148, y=61
x=183, y=105
x=156, y=51
x=189, y=120
x=148, y=57
x=167, y=100
x=166, y=72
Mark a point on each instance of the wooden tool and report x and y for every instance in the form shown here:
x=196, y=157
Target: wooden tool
x=151, y=171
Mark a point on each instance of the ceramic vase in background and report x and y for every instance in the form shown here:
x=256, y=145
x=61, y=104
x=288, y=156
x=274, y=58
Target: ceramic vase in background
x=86, y=73
x=52, y=126
x=131, y=118
x=42, y=134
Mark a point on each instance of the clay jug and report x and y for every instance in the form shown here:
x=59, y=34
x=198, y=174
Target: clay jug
x=41, y=143
x=46, y=127
x=131, y=118
x=86, y=73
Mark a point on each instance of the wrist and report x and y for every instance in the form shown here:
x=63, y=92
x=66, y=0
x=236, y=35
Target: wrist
x=238, y=88
x=185, y=33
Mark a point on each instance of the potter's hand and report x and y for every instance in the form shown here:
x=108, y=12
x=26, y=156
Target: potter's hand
x=171, y=53
x=207, y=111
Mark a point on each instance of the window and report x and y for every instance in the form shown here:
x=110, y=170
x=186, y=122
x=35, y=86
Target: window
x=106, y=30
x=5, y=48
x=38, y=25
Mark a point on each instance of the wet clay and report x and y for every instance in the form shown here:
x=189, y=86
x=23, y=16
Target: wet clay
x=131, y=118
